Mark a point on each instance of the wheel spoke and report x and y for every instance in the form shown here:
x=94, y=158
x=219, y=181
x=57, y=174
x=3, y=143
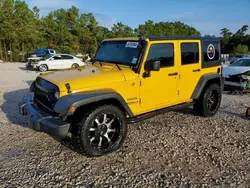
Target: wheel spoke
x=100, y=142
x=92, y=129
x=104, y=118
x=109, y=123
x=107, y=136
x=97, y=121
x=92, y=139
x=111, y=130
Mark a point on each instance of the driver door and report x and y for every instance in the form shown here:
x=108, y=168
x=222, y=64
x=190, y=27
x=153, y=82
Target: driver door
x=56, y=62
x=160, y=88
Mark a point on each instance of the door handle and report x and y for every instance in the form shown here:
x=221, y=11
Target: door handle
x=173, y=74
x=196, y=70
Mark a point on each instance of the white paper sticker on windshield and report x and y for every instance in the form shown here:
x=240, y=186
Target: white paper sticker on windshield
x=134, y=60
x=131, y=44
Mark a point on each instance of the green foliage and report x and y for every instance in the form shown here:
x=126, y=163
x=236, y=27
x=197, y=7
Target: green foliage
x=166, y=29
x=237, y=43
x=241, y=49
x=22, y=30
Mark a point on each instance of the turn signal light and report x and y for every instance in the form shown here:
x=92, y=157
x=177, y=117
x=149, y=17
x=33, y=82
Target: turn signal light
x=72, y=109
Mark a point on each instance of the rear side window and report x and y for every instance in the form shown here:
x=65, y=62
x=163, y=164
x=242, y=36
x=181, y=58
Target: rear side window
x=163, y=53
x=189, y=53
x=211, y=51
x=67, y=57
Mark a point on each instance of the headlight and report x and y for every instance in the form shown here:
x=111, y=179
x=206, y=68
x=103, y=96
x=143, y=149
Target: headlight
x=56, y=94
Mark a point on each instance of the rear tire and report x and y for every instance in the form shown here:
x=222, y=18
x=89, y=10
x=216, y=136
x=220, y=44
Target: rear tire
x=75, y=65
x=100, y=132
x=209, y=101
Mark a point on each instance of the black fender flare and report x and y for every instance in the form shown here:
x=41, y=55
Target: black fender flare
x=204, y=79
x=80, y=99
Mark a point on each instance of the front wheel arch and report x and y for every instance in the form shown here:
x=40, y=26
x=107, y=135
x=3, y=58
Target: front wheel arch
x=86, y=107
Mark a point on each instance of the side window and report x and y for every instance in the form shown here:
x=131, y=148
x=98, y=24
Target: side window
x=246, y=62
x=189, y=53
x=163, y=53
x=57, y=57
x=67, y=57
x=211, y=51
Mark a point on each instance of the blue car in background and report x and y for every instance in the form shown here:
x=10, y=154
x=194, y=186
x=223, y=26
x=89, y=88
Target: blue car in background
x=39, y=53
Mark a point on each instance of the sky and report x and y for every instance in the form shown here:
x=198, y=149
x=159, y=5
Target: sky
x=207, y=16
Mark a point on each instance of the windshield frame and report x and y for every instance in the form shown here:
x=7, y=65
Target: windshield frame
x=119, y=62
x=48, y=56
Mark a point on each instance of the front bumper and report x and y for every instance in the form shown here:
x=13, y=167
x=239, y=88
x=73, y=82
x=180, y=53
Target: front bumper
x=235, y=85
x=41, y=121
x=31, y=66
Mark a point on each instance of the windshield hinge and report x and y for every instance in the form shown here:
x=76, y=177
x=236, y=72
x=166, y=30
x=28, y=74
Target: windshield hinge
x=68, y=87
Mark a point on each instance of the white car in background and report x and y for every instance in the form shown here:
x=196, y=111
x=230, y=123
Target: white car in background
x=56, y=62
x=237, y=75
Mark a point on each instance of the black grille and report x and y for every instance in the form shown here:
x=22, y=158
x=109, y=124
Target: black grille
x=45, y=94
x=234, y=78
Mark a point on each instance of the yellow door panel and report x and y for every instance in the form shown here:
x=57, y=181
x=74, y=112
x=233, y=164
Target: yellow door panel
x=190, y=67
x=160, y=88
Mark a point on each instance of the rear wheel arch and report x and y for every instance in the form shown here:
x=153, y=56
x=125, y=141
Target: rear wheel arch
x=204, y=82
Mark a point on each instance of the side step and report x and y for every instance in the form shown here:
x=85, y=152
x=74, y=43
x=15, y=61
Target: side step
x=143, y=117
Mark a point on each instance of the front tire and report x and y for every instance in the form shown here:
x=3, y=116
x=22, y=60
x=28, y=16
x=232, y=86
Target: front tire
x=209, y=102
x=43, y=68
x=100, y=132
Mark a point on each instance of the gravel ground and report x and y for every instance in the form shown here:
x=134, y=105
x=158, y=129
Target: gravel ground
x=177, y=149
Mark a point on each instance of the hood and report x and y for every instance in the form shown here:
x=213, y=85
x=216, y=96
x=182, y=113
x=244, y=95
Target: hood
x=87, y=76
x=230, y=70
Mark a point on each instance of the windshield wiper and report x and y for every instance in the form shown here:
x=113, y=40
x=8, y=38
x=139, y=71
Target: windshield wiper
x=97, y=61
x=118, y=66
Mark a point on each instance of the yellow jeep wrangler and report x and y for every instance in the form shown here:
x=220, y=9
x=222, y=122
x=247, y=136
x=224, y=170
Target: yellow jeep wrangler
x=129, y=80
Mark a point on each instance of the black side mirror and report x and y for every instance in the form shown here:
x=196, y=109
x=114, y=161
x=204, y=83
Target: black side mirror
x=151, y=66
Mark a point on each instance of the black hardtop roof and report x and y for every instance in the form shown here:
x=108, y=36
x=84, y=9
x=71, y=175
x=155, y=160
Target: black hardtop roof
x=153, y=38
x=181, y=38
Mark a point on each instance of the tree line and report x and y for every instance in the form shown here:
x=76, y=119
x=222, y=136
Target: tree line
x=22, y=30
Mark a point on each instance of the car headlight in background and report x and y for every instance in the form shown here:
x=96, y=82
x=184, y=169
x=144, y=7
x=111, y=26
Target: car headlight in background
x=56, y=94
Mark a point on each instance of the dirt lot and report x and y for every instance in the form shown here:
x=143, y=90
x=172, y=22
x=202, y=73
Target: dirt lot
x=177, y=149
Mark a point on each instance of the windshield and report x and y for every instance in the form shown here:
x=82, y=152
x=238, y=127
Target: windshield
x=241, y=63
x=47, y=56
x=120, y=52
